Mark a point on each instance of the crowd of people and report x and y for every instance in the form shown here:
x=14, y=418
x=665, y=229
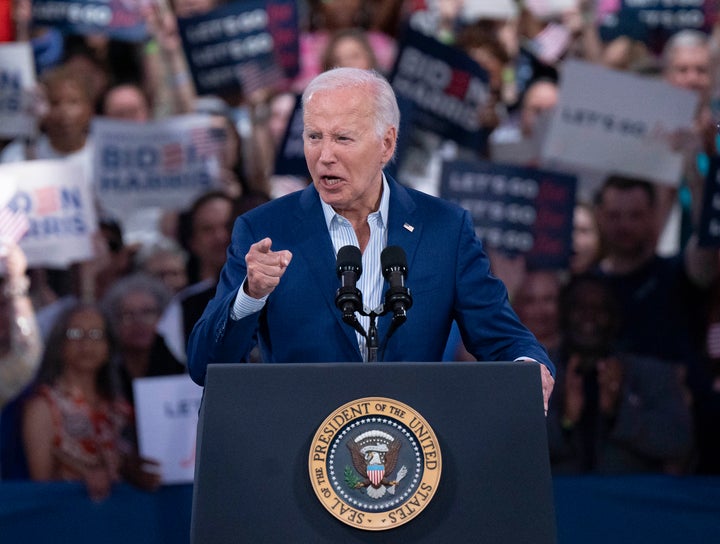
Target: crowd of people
x=632, y=323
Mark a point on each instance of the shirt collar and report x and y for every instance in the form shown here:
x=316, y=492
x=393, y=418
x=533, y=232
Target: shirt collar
x=331, y=214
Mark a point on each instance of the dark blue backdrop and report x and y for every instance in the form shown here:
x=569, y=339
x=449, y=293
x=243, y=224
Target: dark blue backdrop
x=591, y=510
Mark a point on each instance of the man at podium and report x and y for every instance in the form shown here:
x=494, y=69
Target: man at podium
x=279, y=287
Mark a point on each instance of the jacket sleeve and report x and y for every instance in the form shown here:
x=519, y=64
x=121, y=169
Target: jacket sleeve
x=216, y=337
x=489, y=326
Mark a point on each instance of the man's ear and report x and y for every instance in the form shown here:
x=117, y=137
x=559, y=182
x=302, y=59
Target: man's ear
x=389, y=143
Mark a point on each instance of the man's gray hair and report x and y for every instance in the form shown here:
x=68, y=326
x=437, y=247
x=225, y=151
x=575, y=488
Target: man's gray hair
x=683, y=38
x=161, y=245
x=138, y=282
x=386, y=110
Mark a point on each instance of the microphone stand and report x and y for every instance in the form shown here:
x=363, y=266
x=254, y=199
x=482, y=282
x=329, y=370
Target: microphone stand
x=372, y=337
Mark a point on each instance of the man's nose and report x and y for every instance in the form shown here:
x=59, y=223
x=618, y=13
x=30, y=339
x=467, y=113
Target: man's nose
x=327, y=152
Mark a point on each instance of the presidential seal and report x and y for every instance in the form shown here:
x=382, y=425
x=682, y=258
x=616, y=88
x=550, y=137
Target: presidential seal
x=375, y=463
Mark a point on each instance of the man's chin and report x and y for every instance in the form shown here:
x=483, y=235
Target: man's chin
x=331, y=198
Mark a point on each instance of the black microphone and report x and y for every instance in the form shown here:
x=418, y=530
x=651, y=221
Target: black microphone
x=397, y=297
x=349, y=269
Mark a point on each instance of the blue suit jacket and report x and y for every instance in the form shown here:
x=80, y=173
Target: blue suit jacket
x=448, y=276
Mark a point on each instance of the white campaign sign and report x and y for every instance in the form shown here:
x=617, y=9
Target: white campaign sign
x=17, y=83
x=165, y=163
x=167, y=415
x=610, y=121
x=57, y=200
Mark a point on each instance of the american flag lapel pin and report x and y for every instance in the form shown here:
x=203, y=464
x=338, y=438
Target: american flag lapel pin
x=409, y=227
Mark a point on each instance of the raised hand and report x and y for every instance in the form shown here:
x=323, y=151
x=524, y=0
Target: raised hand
x=264, y=268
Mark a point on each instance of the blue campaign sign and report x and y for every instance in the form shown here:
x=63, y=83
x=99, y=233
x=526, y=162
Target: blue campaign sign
x=515, y=209
x=231, y=48
x=284, y=25
x=290, y=160
x=654, y=21
x=709, y=228
x=117, y=19
x=446, y=87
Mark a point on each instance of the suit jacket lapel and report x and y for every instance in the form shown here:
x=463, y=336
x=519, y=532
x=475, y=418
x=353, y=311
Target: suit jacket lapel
x=404, y=230
x=314, y=248
x=404, y=225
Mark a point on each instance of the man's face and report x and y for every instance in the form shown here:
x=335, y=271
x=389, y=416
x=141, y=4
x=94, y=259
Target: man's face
x=536, y=304
x=344, y=154
x=626, y=221
x=689, y=68
x=540, y=98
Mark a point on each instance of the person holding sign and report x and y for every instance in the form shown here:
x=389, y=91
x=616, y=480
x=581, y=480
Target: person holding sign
x=279, y=282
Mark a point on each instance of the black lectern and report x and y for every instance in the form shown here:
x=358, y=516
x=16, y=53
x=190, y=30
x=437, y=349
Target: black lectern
x=258, y=422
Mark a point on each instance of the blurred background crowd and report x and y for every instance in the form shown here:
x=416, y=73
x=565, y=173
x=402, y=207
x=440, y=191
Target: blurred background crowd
x=632, y=323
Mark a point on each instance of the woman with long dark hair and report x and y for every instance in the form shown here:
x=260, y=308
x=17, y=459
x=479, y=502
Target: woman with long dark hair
x=76, y=426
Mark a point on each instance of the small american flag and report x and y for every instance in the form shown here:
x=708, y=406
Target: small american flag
x=253, y=77
x=13, y=225
x=207, y=141
x=552, y=42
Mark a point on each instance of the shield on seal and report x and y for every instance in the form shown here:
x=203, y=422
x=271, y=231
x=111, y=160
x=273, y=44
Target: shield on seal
x=375, y=474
